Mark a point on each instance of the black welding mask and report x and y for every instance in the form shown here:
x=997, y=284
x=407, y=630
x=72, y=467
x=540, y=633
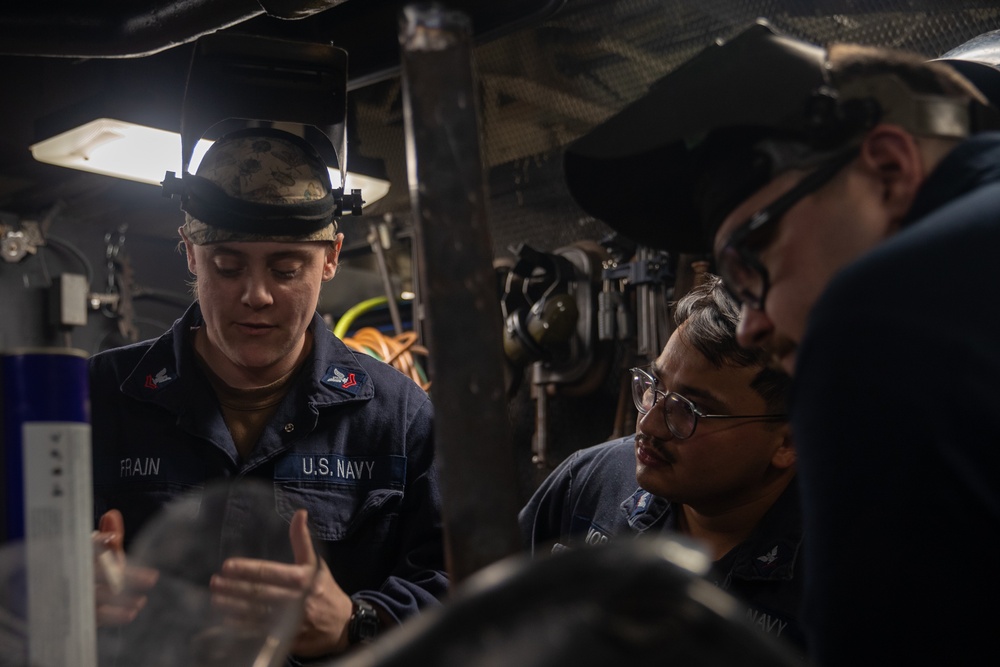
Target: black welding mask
x=978, y=60
x=668, y=168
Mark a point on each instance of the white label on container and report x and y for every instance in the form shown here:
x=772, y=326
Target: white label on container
x=58, y=519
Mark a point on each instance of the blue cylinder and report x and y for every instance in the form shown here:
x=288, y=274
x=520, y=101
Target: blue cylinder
x=36, y=385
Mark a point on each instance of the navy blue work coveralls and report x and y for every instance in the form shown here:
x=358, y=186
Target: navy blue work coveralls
x=351, y=443
x=592, y=498
x=897, y=429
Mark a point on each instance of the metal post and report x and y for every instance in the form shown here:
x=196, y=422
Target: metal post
x=375, y=241
x=463, y=324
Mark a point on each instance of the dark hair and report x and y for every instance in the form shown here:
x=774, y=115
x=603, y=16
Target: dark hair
x=710, y=315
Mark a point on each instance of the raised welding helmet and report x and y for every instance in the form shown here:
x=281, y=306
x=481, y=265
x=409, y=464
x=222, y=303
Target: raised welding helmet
x=258, y=184
x=667, y=169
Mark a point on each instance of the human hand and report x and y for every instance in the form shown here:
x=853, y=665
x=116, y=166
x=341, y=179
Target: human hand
x=120, y=591
x=249, y=587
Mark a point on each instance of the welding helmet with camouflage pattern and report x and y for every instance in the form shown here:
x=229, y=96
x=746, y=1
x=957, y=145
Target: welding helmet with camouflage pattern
x=258, y=184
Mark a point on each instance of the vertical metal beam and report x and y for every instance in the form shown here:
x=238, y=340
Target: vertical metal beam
x=375, y=241
x=462, y=326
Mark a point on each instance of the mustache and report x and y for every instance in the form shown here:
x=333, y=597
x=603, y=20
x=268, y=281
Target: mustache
x=656, y=445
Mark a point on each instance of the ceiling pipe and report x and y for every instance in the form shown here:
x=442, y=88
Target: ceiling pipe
x=134, y=29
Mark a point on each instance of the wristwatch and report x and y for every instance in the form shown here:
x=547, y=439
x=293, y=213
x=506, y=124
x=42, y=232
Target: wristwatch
x=364, y=625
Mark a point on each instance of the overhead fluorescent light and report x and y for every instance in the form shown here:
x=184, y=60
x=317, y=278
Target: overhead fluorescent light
x=144, y=154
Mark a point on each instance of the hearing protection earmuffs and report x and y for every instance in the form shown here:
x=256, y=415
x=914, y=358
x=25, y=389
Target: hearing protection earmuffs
x=537, y=327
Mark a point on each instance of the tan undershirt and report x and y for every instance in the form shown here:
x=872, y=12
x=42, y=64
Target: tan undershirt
x=247, y=411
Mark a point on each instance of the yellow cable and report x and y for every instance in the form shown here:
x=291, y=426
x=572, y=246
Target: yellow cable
x=344, y=323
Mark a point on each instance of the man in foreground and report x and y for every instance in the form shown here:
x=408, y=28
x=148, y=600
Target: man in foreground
x=852, y=203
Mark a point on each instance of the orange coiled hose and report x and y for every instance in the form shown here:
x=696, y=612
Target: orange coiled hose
x=398, y=351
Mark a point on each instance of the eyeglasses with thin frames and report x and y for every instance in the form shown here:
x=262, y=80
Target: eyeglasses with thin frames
x=679, y=413
x=740, y=268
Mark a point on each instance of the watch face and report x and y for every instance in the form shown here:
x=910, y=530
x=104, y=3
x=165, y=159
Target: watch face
x=364, y=625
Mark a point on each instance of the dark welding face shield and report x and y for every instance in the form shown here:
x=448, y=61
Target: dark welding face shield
x=978, y=60
x=260, y=182
x=669, y=167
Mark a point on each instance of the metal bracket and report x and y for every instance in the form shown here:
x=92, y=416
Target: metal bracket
x=19, y=239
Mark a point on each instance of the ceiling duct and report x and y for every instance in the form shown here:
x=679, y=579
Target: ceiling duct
x=113, y=29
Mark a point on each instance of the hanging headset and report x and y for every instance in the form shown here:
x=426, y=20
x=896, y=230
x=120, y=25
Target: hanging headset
x=537, y=329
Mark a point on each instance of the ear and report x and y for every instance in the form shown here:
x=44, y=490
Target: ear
x=784, y=456
x=332, y=257
x=894, y=157
x=188, y=252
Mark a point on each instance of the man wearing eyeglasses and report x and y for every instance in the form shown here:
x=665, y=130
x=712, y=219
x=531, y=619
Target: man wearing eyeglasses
x=712, y=458
x=851, y=198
